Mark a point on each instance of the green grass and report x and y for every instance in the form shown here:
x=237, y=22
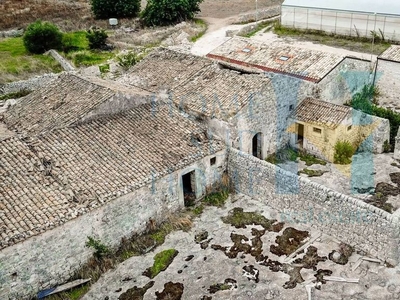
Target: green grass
x=17, y=64
x=353, y=43
x=15, y=95
x=76, y=40
x=161, y=262
x=202, y=24
x=311, y=159
x=216, y=199
x=73, y=294
x=312, y=173
x=87, y=58
x=260, y=26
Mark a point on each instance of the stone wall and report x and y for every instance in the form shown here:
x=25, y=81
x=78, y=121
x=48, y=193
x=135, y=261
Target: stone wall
x=387, y=81
x=51, y=258
x=261, y=13
x=348, y=78
x=65, y=64
x=30, y=84
x=301, y=201
x=266, y=112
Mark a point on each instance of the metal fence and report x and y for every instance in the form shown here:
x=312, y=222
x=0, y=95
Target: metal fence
x=342, y=22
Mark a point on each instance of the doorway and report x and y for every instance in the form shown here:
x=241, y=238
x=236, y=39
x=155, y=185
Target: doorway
x=189, y=188
x=300, y=136
x=256, y=145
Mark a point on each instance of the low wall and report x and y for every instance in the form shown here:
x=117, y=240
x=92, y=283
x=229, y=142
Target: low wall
x=302, y=201
x=30, y=84
x=259, y=14
x=65, y=64
x=49, y=259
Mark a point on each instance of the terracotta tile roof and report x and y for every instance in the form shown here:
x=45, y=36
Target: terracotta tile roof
x=220, y=93
x=321, y=112
x=164, y=69
x=392, y=53
x=276, y=57
x=61, y=104
x=30, y=202
x=70, y=171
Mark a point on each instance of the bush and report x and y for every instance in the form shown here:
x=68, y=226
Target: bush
x=386, y=147
x=42, y=36
x=97, y=38
x=128, y=60
x=365, y=101
x=343, y=152
x=100, y=249
x=104, y=9
x=167, y=12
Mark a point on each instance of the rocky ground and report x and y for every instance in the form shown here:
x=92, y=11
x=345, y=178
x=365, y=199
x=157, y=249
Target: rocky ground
x=242, y=251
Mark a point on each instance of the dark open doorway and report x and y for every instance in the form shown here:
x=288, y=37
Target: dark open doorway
x=189, y=188
x=300, y=136
x=257, y=145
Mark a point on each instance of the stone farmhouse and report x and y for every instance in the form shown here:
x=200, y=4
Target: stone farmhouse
x=90, y=157
x=102, y=173
x=335, y=77
x=318, y=125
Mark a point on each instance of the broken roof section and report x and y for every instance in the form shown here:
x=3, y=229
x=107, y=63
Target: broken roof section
x=276, y=57
x=220, y=93
x=320, y=112
x=68, y=172
x=66, y=101
x=392, y=54
x=164, y=69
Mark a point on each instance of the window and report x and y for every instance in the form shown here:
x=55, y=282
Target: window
x=317, y=130
x=284, y=58
x=349, y=128
x=247, y=50
x=213, y=160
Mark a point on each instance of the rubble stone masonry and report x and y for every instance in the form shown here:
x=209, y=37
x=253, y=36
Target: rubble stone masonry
x=299, y=200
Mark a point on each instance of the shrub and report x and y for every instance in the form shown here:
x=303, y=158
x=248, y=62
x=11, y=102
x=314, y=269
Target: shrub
x=343, y=152
x=100, y=249
x=42, y=36
x=97, y=38
x=128, y=60
x=104, y=9
x=167, y=12
x=386, y=147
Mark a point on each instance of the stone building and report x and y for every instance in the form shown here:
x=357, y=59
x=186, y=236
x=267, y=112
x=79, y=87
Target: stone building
x=316, y=126
x=248, y=111
x=335, y=77
x=387, y=78
x=72, y=172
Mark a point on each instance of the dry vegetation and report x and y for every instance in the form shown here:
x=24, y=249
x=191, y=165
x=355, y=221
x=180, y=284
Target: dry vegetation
x=68, y=14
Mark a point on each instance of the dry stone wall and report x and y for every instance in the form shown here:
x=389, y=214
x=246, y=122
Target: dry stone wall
x=301, y=201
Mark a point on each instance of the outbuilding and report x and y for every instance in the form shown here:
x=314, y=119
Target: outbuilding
x=353, y=18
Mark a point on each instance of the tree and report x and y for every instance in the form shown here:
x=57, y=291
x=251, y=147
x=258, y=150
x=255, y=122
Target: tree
x=167, y=12
x=42, y=36
x=104, y=9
